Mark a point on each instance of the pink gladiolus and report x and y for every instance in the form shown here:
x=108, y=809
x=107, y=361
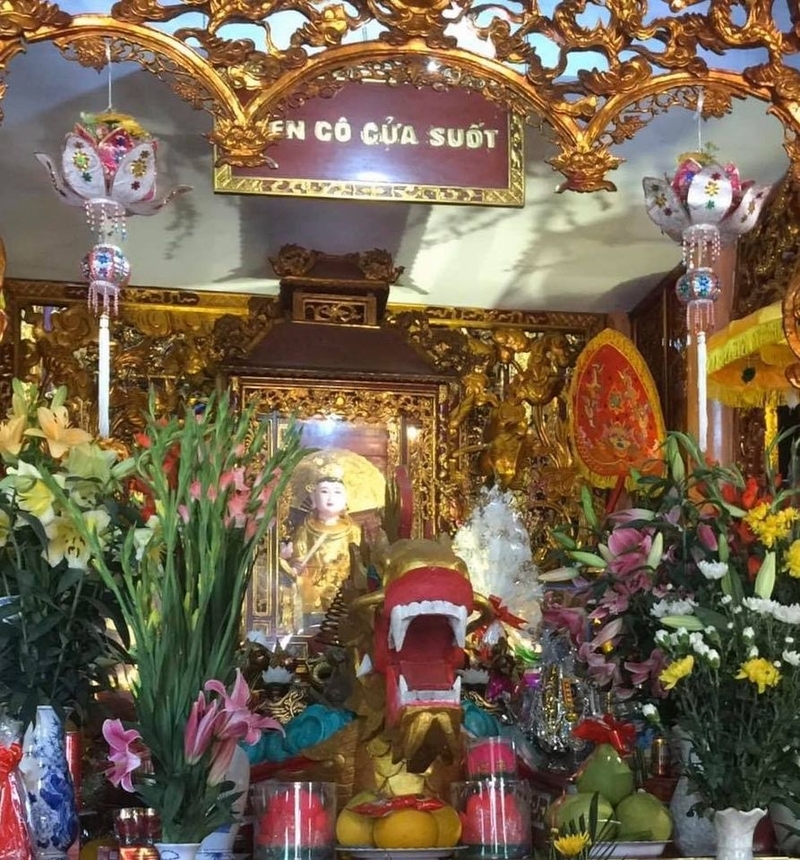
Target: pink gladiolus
x=199, y=731
x=237, y=510
x=195, y=491
x=235, y=478
x=122, y=757
x=183, y=513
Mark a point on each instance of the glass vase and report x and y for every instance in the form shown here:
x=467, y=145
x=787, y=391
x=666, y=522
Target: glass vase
x=51, y=811
x=734, y=829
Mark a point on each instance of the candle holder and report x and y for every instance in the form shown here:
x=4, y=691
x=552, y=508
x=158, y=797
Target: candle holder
x=294, y=820
x=496, y=818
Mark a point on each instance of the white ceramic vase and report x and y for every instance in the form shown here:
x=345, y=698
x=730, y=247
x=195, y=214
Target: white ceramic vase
x=219, y=845
x=49, y=793
x=734, y=829
x=177, y=850
x=694, y=834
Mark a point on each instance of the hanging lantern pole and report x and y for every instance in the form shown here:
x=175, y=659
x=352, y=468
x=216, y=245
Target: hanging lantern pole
x=108, y=166
x=706, y=207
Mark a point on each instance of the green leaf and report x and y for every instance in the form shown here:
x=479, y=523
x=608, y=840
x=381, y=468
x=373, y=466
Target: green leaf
x=688, y=622
x=765, y=578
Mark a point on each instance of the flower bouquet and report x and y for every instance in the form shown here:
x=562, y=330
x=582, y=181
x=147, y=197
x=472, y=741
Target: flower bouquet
x=646, y=562
x=56, y=647
x=206, y=497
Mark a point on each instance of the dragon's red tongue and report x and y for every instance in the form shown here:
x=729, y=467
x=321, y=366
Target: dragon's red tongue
x=428, y=636
x=426, y=675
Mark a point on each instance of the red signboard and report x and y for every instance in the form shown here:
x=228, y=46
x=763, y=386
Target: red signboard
x=375, y=141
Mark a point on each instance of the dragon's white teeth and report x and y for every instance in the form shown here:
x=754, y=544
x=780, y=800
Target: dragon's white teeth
x=451, y=696
x=398, y=627
x=402, y=616
x=365, y=667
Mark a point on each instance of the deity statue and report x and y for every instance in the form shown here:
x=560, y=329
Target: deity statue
x=319, y=552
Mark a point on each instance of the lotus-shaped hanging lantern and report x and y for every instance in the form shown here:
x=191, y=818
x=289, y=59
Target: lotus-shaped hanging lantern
x=704, y=193
x=108, y=165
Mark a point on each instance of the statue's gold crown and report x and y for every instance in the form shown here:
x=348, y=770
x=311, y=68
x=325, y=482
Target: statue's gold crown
x=326, y=470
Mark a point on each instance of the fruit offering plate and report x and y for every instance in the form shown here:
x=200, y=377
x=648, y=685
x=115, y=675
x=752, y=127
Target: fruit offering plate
x=369, y=853
x=628, y=850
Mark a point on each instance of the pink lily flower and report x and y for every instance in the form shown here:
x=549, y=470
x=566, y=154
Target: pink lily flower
x=649, y=670
x=629, y=548
x=607, y=633
x=199, y=731
x=707, y=537
x=121, y=755
x=221, y=757
x=236, y=720
x=601, y=670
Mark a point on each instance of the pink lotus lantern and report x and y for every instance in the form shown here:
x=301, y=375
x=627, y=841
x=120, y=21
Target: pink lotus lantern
x=108, y=166
x=706, y=207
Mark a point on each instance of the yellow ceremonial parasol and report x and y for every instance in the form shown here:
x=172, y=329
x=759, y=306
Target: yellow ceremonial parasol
x=747, y=361
x=364, y=482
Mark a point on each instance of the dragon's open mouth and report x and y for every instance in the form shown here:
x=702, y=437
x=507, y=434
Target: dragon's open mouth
x=421, y=637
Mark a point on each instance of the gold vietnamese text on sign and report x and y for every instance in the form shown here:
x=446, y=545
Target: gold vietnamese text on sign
x=425, y=145
x=245, y=87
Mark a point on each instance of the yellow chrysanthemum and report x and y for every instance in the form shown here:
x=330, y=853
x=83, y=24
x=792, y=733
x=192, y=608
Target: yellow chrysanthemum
x=54, y=427
x=759, y=672
x=755, y=515
x=677, y=670
x=792, y=559
x=12, y=433
x=571, y=844
x=770, y=528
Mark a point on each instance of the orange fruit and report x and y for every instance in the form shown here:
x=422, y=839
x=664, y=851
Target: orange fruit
x=448, y=826
x=406, y=828
x=353, y=829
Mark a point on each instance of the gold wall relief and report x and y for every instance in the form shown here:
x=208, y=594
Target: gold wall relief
x=525, y=61
x=496, y=411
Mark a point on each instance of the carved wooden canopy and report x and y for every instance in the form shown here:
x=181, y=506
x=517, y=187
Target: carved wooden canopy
x=650, y=56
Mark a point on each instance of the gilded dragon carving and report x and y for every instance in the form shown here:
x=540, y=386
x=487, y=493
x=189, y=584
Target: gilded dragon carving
x=521, y=53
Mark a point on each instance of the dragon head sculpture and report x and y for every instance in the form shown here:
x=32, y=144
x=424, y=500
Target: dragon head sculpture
x=418, y=624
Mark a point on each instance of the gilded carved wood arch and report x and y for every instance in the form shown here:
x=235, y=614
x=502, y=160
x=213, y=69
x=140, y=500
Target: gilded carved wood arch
x=653, y=62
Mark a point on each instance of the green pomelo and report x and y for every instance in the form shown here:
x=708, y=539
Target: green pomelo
x=643, y=817
x=568, y=811
x=606, y=772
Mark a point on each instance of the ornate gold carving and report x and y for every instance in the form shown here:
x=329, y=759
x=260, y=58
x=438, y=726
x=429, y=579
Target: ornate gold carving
x=503, y=365
x=768, y=255
x=653, y=60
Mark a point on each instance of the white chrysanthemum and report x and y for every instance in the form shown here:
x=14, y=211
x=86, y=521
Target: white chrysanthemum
x=672, y=607
x=725, y=599
x=748, y=633
x=791, y=657
x=713, y=569
x=753, y=652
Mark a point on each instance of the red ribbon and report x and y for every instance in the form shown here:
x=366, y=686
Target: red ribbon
x=386, y=805
x=502, y=613
x=607, y=730
x=13, y=834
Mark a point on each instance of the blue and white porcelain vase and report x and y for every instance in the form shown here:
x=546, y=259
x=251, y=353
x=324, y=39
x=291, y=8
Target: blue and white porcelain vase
x=50, y=796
